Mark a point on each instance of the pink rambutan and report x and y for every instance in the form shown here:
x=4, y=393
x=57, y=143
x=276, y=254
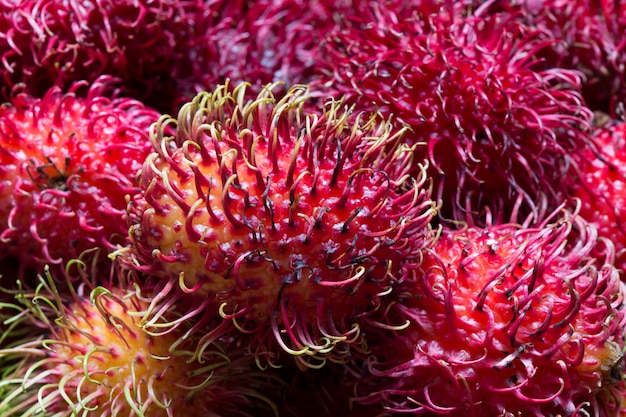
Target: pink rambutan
x=67, y=162
x=50, y=43
x=586, y=36
x=600, y=185
x=497, y=133
x=506, y=321
x=289, y=223
x=91, y=355
x=270, y=41
x=273, y=40
x=259, y=42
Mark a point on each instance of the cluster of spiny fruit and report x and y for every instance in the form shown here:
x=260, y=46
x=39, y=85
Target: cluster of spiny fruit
x=312, y=208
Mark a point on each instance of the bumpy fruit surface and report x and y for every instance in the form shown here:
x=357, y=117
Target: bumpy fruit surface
x=497, y=132
x=506, y=321
x=66, y=163
x=284, y=220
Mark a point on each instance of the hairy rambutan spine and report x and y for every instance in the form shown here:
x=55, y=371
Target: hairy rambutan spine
x=275, y=214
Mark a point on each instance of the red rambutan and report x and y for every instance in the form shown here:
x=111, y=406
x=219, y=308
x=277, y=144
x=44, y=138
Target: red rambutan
x=48, y=43
x=600, y=185
x=587, y=36
x=270, y=41
x=281, y=219
x=496, y=132
x=506, y=321
x=258, y=42
x=66, y=165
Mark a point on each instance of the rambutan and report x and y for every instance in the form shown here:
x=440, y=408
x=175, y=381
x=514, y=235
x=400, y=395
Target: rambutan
x=282, y=220
x=506, y=321
x=56, y=43
x=269, y=41
x=496, y=132
x=586, y=36
x=258, y=42
x=89, y=354
x=67, y=162
x=600, y=185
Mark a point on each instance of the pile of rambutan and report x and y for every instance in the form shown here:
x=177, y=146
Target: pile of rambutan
x=293, y=209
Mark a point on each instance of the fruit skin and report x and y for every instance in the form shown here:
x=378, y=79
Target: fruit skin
x=67, y=161
x=497, y=133
x=91, y=352
x=50, y=43
x=291, y=224
x=600, y=185
x=505, y=321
